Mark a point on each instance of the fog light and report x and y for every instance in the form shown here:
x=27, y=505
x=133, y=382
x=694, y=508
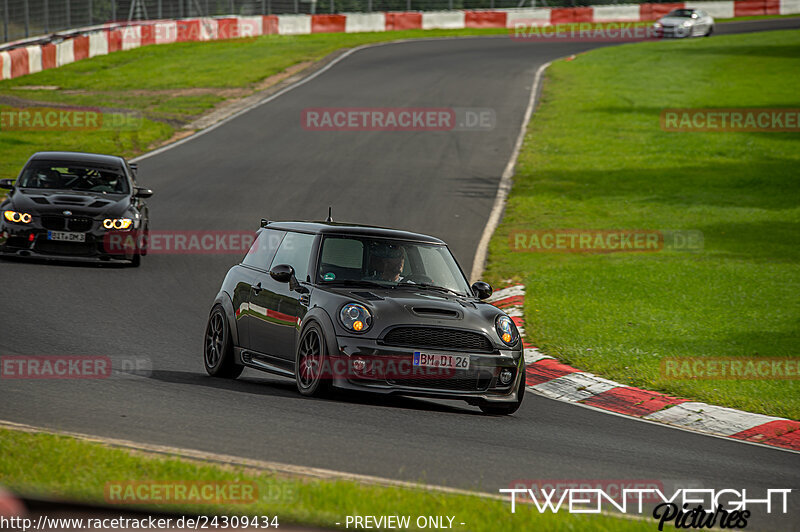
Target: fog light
x=505, y=376
x=359, y=365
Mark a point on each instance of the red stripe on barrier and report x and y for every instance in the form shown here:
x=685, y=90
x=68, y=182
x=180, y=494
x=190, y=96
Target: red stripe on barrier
x=781, y=432
x=656, y=11
x=403, y=21
x=19, y=62
x=328, y=23
x=48, y=56
x=269, y=25
x=114, y=40
x=148, y=34
x=546, y=370
x=632, y=401
x=188, y=30
x=80, y=47
x=571, y=14
x=772, y=7
x=485, y=19
x=227, y=28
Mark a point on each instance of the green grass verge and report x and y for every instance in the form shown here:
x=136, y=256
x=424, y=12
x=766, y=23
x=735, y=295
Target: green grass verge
x=58, y=466
x=595, y=157
x=157, y=81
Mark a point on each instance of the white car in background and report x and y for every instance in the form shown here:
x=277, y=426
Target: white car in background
x=680, y=23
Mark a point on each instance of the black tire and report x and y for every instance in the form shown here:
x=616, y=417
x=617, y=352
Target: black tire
x=136, y=260
x=503, y=409
x=218, y=347
x=709, y=32
x=310, y=360
x=145, y=240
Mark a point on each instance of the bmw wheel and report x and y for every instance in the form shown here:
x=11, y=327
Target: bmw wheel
x=310, y=362
x=218, y=349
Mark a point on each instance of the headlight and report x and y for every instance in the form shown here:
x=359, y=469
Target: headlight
x=17, y=217
x=506, y=330
x=657, y=25
x=117, y=223
x=355, y=317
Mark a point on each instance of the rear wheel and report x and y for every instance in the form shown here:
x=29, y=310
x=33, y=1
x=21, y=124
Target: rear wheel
x=310, y=362
x=218, y=349
x=503, y=409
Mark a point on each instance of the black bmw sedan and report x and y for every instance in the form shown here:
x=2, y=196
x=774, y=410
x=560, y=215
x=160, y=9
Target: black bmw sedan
x=364, y=308
x=68, y=206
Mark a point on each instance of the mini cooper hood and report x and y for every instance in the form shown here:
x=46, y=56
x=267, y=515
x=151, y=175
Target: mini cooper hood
x=92, y=204
x=421, y=306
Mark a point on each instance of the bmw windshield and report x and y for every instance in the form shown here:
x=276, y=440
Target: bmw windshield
x=389, y=263
x=74, y=176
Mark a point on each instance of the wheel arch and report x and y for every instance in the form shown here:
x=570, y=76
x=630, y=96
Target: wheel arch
x=321, y=317
x=224, y=300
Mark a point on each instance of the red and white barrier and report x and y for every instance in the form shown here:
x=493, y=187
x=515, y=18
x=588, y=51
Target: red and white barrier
x=108, y=38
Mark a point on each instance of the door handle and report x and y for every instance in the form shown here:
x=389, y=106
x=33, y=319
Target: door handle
x=257, y=288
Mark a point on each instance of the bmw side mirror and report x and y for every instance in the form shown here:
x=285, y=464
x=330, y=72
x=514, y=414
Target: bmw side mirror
x=283, y=273
x=142, y=192
x=482, y=290
x=7, y=184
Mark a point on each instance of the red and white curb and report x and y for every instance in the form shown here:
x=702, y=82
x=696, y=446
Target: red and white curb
x=20, y=58
x=548, y=377
x=10, y=506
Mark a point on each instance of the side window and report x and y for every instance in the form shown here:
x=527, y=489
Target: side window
x=295, y=250
x=263, y=249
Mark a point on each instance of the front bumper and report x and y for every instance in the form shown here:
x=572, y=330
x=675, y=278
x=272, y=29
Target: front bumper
x=479, y=383
x=31, y=241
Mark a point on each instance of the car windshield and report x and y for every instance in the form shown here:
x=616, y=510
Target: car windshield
x=682, y=13
x=389, y=263
x=74, y=176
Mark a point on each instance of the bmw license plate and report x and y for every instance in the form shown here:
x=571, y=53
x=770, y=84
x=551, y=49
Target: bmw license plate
x=66, y=237
x=431, y=360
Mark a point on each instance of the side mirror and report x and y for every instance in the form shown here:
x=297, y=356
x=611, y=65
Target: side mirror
x=482, y=290
x=7, y=184
x=283, y=273
x=142, y=192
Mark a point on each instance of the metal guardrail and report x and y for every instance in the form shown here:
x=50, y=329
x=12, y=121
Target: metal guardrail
x=22, y=19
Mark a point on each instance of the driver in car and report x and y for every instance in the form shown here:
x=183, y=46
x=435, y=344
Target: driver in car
x=386, y=263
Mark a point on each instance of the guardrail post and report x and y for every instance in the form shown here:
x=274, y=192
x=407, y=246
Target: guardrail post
x=408, y=5
x=5, y=21
x=91, y=14
x=27, y=20
x=69, y=15
x=233, y=8
x=450, y=5
x=296, y=7
x=332, y=2
x=114, y=10
x=369, y=6
x=46, y=16
x=159, y=9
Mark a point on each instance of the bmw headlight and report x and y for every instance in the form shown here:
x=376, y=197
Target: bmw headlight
x=120, y=224
x=355, y=317
x=506, y=330
x=17, y=217
x=657, y=25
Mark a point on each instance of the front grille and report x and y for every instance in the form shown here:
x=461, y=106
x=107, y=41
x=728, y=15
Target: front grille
x=438, y=337
x=54, y=223
x=463, y=381
x=78, y=224
x=64, y=248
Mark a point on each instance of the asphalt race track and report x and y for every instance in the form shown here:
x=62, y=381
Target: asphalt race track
x=263, y=164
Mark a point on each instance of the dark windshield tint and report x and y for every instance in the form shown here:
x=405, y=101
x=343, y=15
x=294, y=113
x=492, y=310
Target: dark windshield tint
x=74, y=176
x=684, y=13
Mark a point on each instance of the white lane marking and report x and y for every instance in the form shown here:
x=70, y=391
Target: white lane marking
x=711, y=418
x=505, y=182
x=575, y=387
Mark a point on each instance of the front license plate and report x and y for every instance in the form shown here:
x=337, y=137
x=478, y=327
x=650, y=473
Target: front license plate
x=430, y=360
x=66, y=237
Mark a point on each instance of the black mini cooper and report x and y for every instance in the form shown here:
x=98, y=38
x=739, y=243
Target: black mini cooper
x=364, y=308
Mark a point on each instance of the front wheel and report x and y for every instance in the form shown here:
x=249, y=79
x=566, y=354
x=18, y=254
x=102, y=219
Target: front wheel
x=218, y=350
x=709, y=32
x=503, y=409
x=310, y=362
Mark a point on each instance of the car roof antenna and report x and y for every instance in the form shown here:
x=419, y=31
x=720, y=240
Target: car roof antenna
x=330, y=217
